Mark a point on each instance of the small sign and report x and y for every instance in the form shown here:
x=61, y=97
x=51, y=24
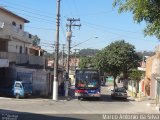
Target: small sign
x=4, y=63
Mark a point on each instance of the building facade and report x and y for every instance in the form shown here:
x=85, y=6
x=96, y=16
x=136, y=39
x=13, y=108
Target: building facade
x=152, y=81
x=17, y=53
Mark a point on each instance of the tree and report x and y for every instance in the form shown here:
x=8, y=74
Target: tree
x=36, y=40
x=118, y=57
x=143, y=10
x=88, y=52
x=135, y=76
x=99, y=60
x=85, y=62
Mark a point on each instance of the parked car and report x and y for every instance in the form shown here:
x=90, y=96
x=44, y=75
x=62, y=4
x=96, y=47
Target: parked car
x=119, y=92
x=18, y=89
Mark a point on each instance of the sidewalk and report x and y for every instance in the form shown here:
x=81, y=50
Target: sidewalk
x=151, y=103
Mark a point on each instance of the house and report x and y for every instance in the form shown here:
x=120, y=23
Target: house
x=132, y=84
x=152, y=77
x=17, y=54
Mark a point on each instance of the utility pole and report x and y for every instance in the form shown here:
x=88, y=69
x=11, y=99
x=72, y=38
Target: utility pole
x=55, y=81
x=75, y=59
x=69, y=35
x=63, y=57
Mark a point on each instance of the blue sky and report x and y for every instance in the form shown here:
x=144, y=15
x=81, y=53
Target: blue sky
x=98, y=19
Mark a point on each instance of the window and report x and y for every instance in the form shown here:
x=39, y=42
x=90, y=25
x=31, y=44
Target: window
x=20, y=50
x=26, y=50
x=20, y=26
x=30, y=36
x=18, y=85
x=14, y=23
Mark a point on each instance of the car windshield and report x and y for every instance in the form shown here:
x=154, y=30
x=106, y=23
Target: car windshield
x=120, y=90
x=18, y=85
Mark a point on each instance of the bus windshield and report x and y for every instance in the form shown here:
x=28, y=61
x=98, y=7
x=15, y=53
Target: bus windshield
x=87, y=80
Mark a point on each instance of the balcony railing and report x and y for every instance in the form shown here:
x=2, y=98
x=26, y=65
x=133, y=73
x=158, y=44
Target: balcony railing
x=14, y=32
x=23, y=58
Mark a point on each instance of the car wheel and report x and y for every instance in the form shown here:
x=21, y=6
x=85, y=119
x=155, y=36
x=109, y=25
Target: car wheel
x=125, y=98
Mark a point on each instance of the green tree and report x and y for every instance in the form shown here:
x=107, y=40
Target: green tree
x=36, y=40
x=99, y=60
x=85, y=62
x=143, y=10
x=118, y=57
x=135, y=76
x=88, y=52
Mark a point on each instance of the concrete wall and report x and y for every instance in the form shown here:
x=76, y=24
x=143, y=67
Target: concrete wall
x=141, y=86
x=17, y=37
x=8, y=18
x=152, y=70
x=132, y=89
x=14, y=46
x=23, y=58
x=40, y=80
x=147, y=81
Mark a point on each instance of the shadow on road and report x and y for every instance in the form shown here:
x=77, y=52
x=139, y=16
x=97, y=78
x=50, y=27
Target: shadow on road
x=14, y=115
x=107, y=98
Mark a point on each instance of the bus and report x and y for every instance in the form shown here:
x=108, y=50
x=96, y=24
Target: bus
x=87, y=83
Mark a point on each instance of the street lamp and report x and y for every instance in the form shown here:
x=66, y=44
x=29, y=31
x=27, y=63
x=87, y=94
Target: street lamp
x=84, y=41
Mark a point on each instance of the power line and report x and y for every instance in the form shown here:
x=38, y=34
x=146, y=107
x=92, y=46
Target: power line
x=98, y=13
x=39, y=18
x=102, y=26
x=30, y=12
x=46, y=22
x=50, y=29
x=63, y=32
x=42, y=11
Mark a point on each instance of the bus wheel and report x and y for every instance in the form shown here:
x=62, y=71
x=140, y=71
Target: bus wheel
x=17, y=96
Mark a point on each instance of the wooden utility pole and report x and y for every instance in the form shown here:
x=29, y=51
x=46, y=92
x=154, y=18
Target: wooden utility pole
x=63, y=57
x=69, y=35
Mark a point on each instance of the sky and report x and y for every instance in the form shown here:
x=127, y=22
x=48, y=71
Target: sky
x=101, y=23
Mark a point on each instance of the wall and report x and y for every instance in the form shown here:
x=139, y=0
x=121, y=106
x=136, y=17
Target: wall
x=147, y=81
x=18, y=37
x=14, y=46
x=7, y=18
x=40, y=80
x=152, y=70
x=141, y=86
x=131, y=86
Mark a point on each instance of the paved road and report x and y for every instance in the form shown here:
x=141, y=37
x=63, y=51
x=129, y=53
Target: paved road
x=46, y=108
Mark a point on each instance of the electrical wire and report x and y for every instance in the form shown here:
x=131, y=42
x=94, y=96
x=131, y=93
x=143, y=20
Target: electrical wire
x=8, y=6
x=49, y=29
x=20, y=5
